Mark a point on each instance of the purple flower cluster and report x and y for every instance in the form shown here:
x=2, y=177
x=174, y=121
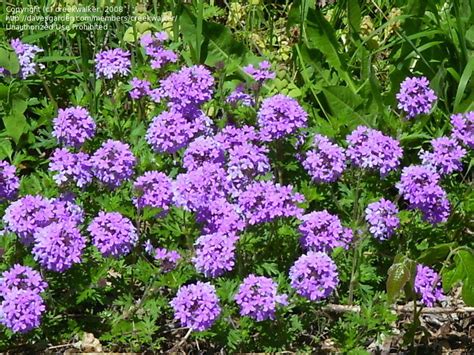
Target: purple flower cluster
x=58, y=246
x=261, y=73
x=26, y=54
x=463, y=128
x=323, y=231
x=263, y=201
x=446, y=156
x=112, y=62
x=325, y=163
x=9, y=182
x=370, y=149
x=173, y=130
x=140, y=88
x=203, y=150
x=196, y=306
x=154, y=189
x=153, y=46
x=428, y=285
x=231, y=136
x=168, y=259
x=21, y=277
x=113, y=163
x=419, y=186
x=215, y=254
x=239, y=96
x=314, y=276
x=220, y=216
x=113, y=234
x=415, y=96
x=73, y=126
x=382, y=218
x=71, y=167
x=280, y=115
x=257, y=297
x=195, y=189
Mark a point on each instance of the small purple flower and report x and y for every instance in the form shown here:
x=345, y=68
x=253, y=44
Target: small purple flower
x=215, y=254
x=238, y=96
x=257, y=297
x=198, y=188
x=261, y=73
x=314, y=276
x=325, y=163
x=113, y=163
x=203, y=150
x=382, y=218
x=323, y=231
x=112, y=62
x=154, y=190
x=21, y=310
x=463, y=128
x=9, y=182
x=415, y=96
x=20, y=277
x=113, y=234
x=73, y=126
x=263, y=201
x=168, y=259
x=280, y=115
x=446, y=155
x=428, y=285
x=173, y=130
x=370, y=149
x=220, y=216
x=70, y=168
x=65, y=208
x=140, y=88
x=196, y=306
x=58, y=246
x=232, y=136
x=153, y=46
x=26, y=54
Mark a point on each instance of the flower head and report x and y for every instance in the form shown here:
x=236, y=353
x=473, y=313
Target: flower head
x=112, y=62
x=220, y=216
x=261, y=73
x=257, y=297
x=140, y=88
x=113, y=234
x=232, y=136
x=153, y=45
x=323, y=231
x=382, y=218
x=203, y=150
x=154, y=189
x=21, y=310
x=463, y=128
x=239, y=96
x=70, y=168
x=428, y=285
x=20, y=277
x=314, y=276
x=26, y=54
x=113, y=163
x=415, y=96
x=73, y=126
x=196, y=306
x=446, y=155
x=9, y=182
x=280, y=115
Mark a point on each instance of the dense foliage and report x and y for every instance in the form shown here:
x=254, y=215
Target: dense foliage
x=221, y=175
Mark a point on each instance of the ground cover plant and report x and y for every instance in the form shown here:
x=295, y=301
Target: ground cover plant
x=237, y=176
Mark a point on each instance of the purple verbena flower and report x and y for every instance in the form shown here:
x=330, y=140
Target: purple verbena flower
x=463, y=128
x=314, y=276
x=446, y=155
x=415, y=96
x=20, y=277
x=9, y=182
x=140, y=88
x=112, y=62
x=58, y=246
x=215, y=254
x=382, y=218
x=168, y=259
x=70, y=168
x=153, y=46
x=323, y=231
x=325, y=163
x=370, y=149
x=280, y=115
x=232, y=136
x=21, y=310
x=113, y=234
x=428, y=285
x=73, y=126
x=203, y=150
x=154, y=190
x=257, y=298
x=220, y=216
x=238, y=96
x=113, y=163
x=263, y=201
x=196, y=306
x=26, y=54
x=261, y=73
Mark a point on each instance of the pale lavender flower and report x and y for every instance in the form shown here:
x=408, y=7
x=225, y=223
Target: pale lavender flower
x=168, y=259
x=9, y=182
x=73, y=126
x=203, y=150
x=415, y=96
x=232, y=136
x=382, y=218
x=140, y=88
x=463, y=128
x=220, y=216
x=26, y=54
x=446, y=155
x=112, y=62
x=153, y=46
x=21, y=310
x=428, y=285
x=154, y=190
x=70, y=168
x=261, y=73
x=20, y=277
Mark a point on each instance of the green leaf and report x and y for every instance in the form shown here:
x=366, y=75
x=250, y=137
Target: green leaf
x=15, y=125
x=9, y=61
x=6, y=149
x=343, y=103
x=354, y=14
x=436, y=253
x=398, y=276
x=465, y=77
x=468, y=291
